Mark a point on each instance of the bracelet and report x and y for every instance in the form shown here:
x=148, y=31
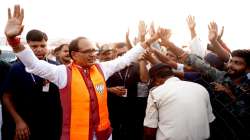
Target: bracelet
x=14, y=41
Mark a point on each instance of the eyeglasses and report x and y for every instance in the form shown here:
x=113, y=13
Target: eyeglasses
x=88, y=51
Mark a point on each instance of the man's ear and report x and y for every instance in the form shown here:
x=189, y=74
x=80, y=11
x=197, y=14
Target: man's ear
x=159, y=81
x=55, y=53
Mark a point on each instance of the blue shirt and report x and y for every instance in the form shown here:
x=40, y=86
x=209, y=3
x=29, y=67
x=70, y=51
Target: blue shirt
x=4, y=68
x=40, y=110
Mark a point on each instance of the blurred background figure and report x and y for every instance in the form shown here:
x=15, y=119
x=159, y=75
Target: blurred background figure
x=7, y=56
x=62, y=54
x=106, y=53
x=4, y=68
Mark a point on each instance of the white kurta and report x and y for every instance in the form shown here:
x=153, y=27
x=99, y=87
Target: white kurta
x=180, y=110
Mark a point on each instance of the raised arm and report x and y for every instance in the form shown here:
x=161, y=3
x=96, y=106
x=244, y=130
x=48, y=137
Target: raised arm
x=110, y=67
x=163, y=58
x=152, y=29
x=165, y=35
x=195, y=44
x=14, y=27
x=128, y=42
x=213, y=38
x=223, y=44
x=150, y=57
x=191, y=25
x=190, y=59
x=142, y=31
x=144, y=76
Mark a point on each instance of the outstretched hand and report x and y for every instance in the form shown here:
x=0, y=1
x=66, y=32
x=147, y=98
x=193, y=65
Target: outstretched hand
x=164, y=34
x=191, y=22
x=128, y=40
x=14, y=25
x=213, y=32
x=220, y=34
x=142, y=28
x=151, y=30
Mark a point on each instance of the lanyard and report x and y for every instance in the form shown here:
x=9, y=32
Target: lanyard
x=125, y=77
x=32, y=76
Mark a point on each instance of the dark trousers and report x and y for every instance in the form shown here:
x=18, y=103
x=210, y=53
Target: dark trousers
x=126, y=116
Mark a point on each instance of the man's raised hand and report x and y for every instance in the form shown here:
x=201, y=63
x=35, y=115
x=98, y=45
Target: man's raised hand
x=213, y=32
x=164, y=34
x=142, y=28
x=191, y=25
x=191, y=22
x=152, y=29
x=220, y=34
x=14, y=25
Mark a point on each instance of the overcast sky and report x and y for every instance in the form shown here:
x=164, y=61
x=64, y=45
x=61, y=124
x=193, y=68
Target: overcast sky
x=108, y=20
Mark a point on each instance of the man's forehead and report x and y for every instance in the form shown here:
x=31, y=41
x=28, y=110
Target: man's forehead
x=107, y=52
x=86, y=44
x=37, y=42
x=237, y=58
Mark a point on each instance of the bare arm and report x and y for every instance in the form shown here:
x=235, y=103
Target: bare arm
x=179, y=74
x=223, y=44
x=128, y=42
x=220, y=51
x=191, y=25
x=144, y=76
x=165, y=35
x=150, y=57
x=22, y=129
x=163, y=58
x=217, y=47
x=190, y=59
x=195, y=44
x=7, y=101
x=142, y=31
x=110, y=67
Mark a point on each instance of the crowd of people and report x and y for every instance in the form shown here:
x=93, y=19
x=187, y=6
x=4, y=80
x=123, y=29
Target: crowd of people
x=145, y=89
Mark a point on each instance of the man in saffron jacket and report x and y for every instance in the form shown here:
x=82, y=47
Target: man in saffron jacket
x=82, y=83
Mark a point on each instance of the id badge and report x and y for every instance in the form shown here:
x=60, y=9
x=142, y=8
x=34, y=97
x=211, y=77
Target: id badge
x=46, y=87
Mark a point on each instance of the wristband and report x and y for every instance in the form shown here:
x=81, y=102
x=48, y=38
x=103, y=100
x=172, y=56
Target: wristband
x=14, y=41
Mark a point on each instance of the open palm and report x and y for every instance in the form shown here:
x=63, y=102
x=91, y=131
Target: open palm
x=191, y=22
x=213, y=31
x=14, y=25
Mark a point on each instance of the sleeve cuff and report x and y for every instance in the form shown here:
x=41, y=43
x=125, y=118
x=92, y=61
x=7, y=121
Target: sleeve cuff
x=151, y=123
x=180, y=67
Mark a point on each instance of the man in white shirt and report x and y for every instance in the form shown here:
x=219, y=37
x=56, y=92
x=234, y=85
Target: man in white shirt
x=82, y=83
x=176, y=110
